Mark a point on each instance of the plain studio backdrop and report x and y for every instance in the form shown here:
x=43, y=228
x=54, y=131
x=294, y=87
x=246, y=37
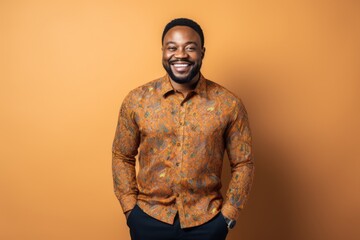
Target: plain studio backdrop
x=65, y=67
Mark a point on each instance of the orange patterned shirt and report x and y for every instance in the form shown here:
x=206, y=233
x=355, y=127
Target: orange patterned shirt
x=181, y=143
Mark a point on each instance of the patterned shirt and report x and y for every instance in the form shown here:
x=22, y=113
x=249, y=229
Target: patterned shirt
x=181, y=143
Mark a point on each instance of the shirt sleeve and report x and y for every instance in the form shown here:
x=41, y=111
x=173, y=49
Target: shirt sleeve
x=239, y=150
x=124, y=150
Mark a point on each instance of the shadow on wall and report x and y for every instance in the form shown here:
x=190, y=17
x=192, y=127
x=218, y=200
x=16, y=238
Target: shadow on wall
x=270, y=210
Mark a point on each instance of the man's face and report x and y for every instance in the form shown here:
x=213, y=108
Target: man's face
x=182, y=54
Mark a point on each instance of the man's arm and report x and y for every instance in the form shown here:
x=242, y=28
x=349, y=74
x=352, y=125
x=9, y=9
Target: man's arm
x=124, y=150
x=239, y=150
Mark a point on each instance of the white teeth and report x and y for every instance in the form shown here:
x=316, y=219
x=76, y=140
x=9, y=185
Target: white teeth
x=180, y=65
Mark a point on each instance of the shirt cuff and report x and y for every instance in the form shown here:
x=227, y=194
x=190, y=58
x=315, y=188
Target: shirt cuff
x=230, y=212
x=128, y=203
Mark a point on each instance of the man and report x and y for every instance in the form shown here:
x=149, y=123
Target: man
x=181, y=125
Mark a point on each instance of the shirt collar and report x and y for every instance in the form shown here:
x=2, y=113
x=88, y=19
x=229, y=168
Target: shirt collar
x=167, y=88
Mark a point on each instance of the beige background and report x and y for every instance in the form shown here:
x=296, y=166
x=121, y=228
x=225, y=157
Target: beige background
x=65, y=67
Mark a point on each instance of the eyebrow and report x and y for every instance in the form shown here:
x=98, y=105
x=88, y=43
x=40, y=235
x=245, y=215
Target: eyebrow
x=187, y=43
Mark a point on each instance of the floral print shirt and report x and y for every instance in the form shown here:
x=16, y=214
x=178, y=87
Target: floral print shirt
x=180, y=143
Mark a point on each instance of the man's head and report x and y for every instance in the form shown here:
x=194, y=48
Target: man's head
x=183, y=49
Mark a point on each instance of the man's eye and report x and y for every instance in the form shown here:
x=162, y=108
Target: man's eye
x=190, y=49
x=171, y=48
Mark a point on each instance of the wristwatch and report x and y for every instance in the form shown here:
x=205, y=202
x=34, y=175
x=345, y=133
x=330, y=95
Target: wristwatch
x=230, y=223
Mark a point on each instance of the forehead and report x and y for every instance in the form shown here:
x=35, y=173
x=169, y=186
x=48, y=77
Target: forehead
x=181, y=34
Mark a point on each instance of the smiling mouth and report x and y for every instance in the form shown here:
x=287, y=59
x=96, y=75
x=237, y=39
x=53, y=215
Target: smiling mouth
x=181, y=67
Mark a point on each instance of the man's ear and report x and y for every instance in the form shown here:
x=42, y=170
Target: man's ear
x=203, y=52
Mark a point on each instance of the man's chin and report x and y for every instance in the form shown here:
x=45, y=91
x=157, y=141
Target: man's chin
x=181, y=80
x=186, y=78
x=181, y=77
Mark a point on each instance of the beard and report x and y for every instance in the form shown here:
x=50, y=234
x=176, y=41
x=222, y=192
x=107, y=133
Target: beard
x=181, y=80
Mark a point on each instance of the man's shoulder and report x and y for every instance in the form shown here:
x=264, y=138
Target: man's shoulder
x=148, y=86
x=225, y=97
x=218, y=91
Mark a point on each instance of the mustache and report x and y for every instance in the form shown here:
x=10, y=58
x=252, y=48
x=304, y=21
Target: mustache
x=181, y=60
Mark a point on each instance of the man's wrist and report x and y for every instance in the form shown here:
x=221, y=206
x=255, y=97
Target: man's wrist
x=230, y=222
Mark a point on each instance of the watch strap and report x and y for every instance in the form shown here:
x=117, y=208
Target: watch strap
x=230, y=223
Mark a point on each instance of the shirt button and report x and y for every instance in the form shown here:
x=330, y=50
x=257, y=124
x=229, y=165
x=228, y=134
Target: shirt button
x=181, y=123
x=178, y=144
x=177, y=164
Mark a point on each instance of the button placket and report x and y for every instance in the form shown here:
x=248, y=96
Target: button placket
x=182, y=128
x=178, y=164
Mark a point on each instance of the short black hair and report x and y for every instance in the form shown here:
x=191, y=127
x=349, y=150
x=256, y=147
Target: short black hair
x=184, y=22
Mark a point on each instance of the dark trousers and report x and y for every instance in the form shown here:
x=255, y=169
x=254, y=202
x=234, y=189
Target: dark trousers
x=144, y=227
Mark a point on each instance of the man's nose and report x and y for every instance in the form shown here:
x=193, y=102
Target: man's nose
x=181, y=53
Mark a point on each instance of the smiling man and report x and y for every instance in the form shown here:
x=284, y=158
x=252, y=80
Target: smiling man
x=180, y=126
